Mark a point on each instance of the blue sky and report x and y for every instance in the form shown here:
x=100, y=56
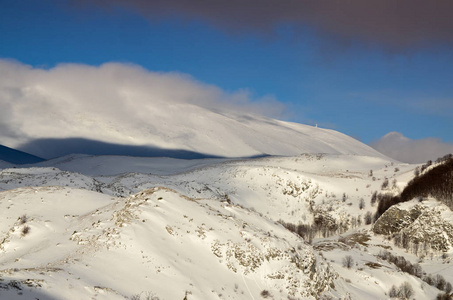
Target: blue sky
x=361, y=86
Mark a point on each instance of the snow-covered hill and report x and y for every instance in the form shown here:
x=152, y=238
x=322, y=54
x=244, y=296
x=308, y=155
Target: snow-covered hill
x=113, y=227
x=156, y=242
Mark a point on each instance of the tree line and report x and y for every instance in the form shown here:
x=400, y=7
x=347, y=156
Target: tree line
x=436, y=182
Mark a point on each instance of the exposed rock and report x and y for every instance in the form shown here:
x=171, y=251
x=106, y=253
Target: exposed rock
x=432, y=229
x=395, y=219
x=418, y=224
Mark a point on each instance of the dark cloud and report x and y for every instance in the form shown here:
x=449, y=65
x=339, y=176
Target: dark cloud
x=395, y=24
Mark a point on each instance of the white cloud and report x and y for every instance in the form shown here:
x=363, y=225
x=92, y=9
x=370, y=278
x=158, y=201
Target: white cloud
x=399, y=147
x=106, y=103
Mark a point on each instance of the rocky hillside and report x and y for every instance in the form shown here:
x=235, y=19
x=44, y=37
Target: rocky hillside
x=418, y=226
x=429, y=181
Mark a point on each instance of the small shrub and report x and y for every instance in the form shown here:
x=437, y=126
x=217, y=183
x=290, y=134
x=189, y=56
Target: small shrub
x=394, y=182
x=405, y=291
x=146, y=296
x=373, y=198
x=440, y=282
x=23, y=219
x=428, y=279
x=444, y=296
x=385, y=184
x=265, y=294
x=348, y=261
x=25, y=230
x=393, y=293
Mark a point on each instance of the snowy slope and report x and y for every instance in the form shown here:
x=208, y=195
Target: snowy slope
x=158, y=241
x=114, y=165
x=110, y=227
x=45, y=177
x=279, y=187
x=287, y=188
x=4, y=164
x=199, y=130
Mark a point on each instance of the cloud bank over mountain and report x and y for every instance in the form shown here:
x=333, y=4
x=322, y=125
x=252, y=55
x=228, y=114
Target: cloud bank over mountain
x=72, y=108
x=83, y=109
x=106, y=103
x=397, y=146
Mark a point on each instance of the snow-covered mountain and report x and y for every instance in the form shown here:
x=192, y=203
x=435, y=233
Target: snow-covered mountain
x=263, y=209
x=295, y=224
x=198, y=132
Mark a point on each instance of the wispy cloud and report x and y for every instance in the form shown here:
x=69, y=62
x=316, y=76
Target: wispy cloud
x=396, y=24
x=438, y=107
x=113, y=102
x=399, y=147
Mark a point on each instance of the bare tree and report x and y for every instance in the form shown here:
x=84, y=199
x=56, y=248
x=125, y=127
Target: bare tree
x=393, y=293
x=385, y=183
x=348, y=261
x=361, y=203
x=405, y=290
x=368, y=218
x=373, y=198
x=440, y=282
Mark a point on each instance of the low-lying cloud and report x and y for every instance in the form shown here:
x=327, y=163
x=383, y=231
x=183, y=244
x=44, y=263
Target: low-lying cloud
x=399, y=147
x=394, y=23
x=115, y=102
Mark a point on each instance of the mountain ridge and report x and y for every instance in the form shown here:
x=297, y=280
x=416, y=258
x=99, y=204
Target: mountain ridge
x=191, y=130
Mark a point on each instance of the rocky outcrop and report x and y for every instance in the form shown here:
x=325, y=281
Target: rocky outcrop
x=418, y=224
x=395, y=219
